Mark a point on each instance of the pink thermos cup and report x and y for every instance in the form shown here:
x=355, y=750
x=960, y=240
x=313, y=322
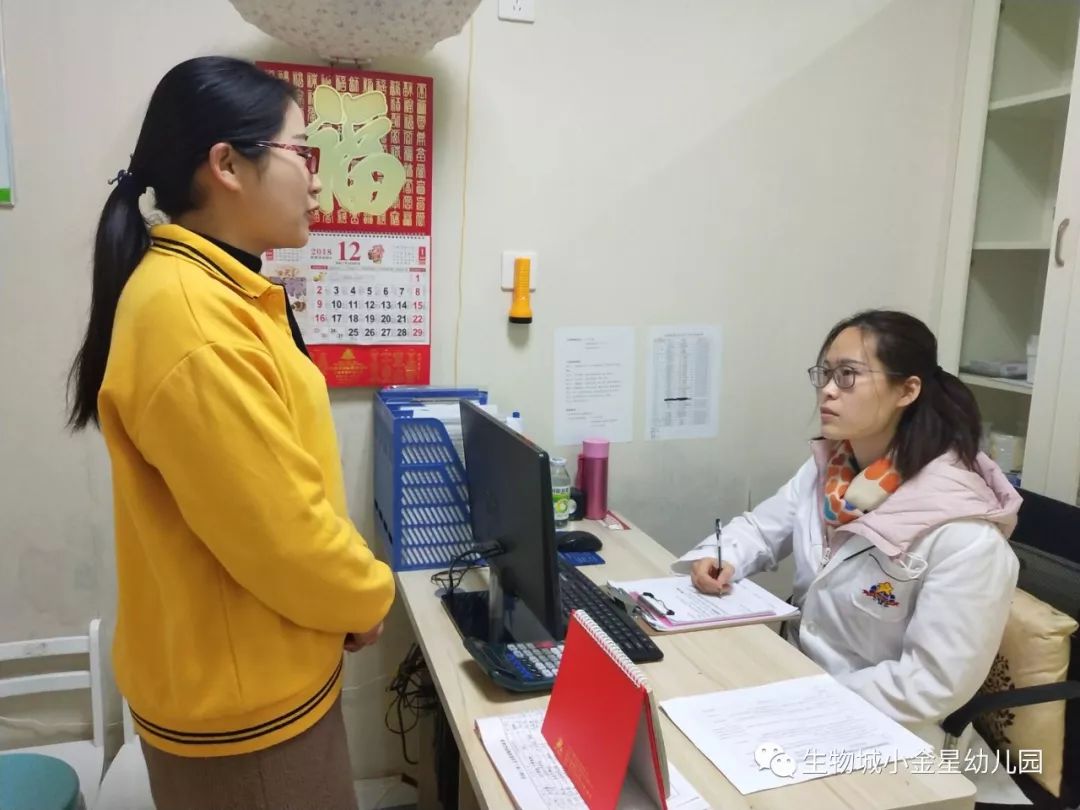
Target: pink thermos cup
x=593, y=463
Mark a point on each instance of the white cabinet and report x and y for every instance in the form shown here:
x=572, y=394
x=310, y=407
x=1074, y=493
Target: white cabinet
x=1011, y=269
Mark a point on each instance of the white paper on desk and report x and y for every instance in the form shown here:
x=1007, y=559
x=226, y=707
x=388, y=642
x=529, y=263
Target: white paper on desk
x=816, y=721
x=683, y=383
x=536, y=781
x=594, y=384
x=745, y=601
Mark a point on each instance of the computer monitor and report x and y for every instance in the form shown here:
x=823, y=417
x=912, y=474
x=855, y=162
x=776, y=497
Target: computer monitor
x=510, y=503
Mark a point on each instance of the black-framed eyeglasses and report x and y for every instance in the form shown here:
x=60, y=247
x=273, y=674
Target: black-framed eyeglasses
x=843, y=376
x=310, y=154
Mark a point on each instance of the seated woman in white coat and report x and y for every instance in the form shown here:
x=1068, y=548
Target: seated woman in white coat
x=898, y=526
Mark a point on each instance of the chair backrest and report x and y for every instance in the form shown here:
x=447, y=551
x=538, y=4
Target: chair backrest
x=1048, y=525
x=66, y=681
x=1047, y=542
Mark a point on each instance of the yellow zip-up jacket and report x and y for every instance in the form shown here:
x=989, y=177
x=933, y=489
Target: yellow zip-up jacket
x=239, y=571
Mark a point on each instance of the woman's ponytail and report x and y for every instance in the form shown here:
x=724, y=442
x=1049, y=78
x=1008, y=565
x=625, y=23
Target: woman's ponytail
x=944, y=417
x=122, y=241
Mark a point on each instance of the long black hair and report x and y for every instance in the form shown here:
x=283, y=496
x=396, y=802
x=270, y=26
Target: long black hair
x=945, y=415
x=199, y=103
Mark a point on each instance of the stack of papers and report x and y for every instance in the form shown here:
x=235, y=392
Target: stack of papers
x=673, y=603
x=792, y=731
x=449, y=413
x=536, y=781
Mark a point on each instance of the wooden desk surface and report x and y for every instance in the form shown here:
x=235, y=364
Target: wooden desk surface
x=702, y=661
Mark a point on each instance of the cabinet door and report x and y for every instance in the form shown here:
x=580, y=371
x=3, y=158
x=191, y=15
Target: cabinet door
x=1052, y=457
x=970, y=142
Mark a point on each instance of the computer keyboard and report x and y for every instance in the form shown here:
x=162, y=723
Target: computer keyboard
x=532, y=666
x=578, y=592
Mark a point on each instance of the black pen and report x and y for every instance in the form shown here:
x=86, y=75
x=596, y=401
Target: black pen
x=719, y=551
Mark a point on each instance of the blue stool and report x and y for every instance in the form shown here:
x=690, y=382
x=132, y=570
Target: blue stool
x=38, y=782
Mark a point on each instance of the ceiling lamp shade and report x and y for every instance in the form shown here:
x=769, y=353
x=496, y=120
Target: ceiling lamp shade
x=359, y=30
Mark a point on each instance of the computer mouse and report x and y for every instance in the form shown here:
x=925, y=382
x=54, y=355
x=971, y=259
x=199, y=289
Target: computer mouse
x=579, y=541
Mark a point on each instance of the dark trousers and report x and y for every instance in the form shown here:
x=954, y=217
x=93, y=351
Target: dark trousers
x=309, y=772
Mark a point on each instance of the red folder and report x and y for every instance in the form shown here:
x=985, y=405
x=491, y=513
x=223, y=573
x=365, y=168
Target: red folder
x=602, y=721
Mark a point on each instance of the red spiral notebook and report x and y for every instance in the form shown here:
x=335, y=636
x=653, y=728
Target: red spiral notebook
x=602, y=721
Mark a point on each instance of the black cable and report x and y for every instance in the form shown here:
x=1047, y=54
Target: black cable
x=450, y=579
x=412, y=689
x=413, y=694
x=460, y=565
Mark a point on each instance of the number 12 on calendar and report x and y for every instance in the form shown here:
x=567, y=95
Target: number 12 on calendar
x=362, y=289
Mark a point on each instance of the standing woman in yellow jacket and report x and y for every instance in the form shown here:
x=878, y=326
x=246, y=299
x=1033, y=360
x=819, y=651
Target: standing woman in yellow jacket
x=241, y=577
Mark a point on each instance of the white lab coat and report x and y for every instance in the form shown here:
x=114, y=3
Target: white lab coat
x=918, y=660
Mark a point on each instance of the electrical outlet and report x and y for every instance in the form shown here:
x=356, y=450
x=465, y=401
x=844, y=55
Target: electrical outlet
x=517, y=10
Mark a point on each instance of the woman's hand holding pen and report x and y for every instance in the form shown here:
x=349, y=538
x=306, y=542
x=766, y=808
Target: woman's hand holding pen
x=713, y=577
x=709, y=578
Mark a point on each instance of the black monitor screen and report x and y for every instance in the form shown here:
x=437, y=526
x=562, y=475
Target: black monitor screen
x=510, y=500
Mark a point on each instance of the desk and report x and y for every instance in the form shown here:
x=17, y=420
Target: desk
x=702, y=661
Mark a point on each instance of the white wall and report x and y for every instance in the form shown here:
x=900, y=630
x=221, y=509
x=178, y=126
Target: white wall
x=766, y=166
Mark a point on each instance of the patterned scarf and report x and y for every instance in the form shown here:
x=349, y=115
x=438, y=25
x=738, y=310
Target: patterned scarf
x=849, y=494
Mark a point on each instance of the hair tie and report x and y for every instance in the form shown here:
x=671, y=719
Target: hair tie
x=128, y=181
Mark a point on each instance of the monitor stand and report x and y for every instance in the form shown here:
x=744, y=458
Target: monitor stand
x=493, y=616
